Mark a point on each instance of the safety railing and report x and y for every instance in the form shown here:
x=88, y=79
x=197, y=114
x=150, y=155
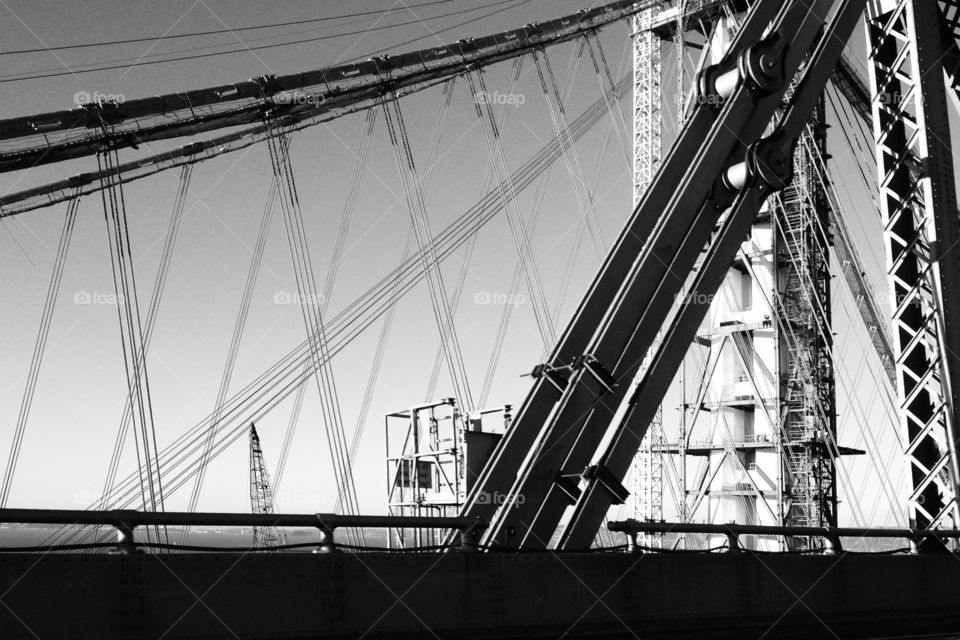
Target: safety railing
x=125, y=522
x=919, y=540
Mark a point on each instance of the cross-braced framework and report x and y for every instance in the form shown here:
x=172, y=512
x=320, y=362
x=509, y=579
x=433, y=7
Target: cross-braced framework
x=921, y=232
x=647, y=149
x=807, y=410
x=261, y=495
x=762, y=366
x=434, y=452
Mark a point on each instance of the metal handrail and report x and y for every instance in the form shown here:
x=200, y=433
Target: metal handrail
x=831, y=535
x=126, y=521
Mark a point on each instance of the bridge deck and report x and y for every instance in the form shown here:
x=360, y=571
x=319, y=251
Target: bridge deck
x=477, y=595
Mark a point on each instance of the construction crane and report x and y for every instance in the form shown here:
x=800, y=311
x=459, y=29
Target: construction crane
x=261, y=495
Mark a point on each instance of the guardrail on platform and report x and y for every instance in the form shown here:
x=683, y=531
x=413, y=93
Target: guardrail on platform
x=126, y=521
x=830, y=535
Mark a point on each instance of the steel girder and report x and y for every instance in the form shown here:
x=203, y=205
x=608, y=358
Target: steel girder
x=921, y=236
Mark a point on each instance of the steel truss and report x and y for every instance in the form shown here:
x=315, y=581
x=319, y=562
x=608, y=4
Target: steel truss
x=261, y=496
x=647, y=151
x=921, y=236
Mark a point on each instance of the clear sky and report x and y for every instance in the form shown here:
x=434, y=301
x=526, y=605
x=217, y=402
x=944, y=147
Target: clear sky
x=81, y=389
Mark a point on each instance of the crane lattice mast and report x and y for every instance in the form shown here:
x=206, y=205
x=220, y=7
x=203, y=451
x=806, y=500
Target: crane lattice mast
x=261, y=495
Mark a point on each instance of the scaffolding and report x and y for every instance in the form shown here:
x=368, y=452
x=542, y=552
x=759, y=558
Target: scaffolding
x=434, y=454
x=755, y=440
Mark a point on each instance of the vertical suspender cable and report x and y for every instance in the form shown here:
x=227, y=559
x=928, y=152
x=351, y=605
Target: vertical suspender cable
x=491, y=136
x=426, y=251
x=253, y=271
x=39, y=348
x=485, y=185
x=309, y=299
x=131, y=328
x=571, y=158
x=335, y=259
x=163, y=270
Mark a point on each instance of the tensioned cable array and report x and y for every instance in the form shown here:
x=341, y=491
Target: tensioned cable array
x=308, y=301
x=39, y=349
x=166, y=255
x=439, y=299
x=335, y=259
x=253, y=271
x=131, y=336
x=264, y=393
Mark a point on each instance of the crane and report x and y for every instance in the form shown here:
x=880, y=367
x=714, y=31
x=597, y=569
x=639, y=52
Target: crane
x=261, y=495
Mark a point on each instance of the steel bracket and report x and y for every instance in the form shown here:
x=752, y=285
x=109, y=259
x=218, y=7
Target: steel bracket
x=600, y=474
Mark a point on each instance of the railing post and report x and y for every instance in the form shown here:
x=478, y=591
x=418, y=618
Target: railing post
x=733, y=542
x=914, y=546
x=832, y=546
x=327, y=543
x=125, y=540
x=470, y=537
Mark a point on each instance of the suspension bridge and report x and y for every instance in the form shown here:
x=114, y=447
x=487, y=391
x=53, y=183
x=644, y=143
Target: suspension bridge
x=632, y=321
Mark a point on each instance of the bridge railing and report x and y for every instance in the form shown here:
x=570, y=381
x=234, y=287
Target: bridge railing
x=918, y=540
x=125, y=522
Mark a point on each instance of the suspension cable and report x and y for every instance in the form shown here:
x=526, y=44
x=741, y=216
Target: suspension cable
x=426, y=251
x=179, y=206
x=335, y=259
x=316, y=331
x=485, y=185
x=491, y=136
x=131, y=328
x=253, y=271
x=266, y=391
x=39, y=348
x=558, y=115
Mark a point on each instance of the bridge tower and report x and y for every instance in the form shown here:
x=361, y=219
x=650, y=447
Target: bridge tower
x=754, y=439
